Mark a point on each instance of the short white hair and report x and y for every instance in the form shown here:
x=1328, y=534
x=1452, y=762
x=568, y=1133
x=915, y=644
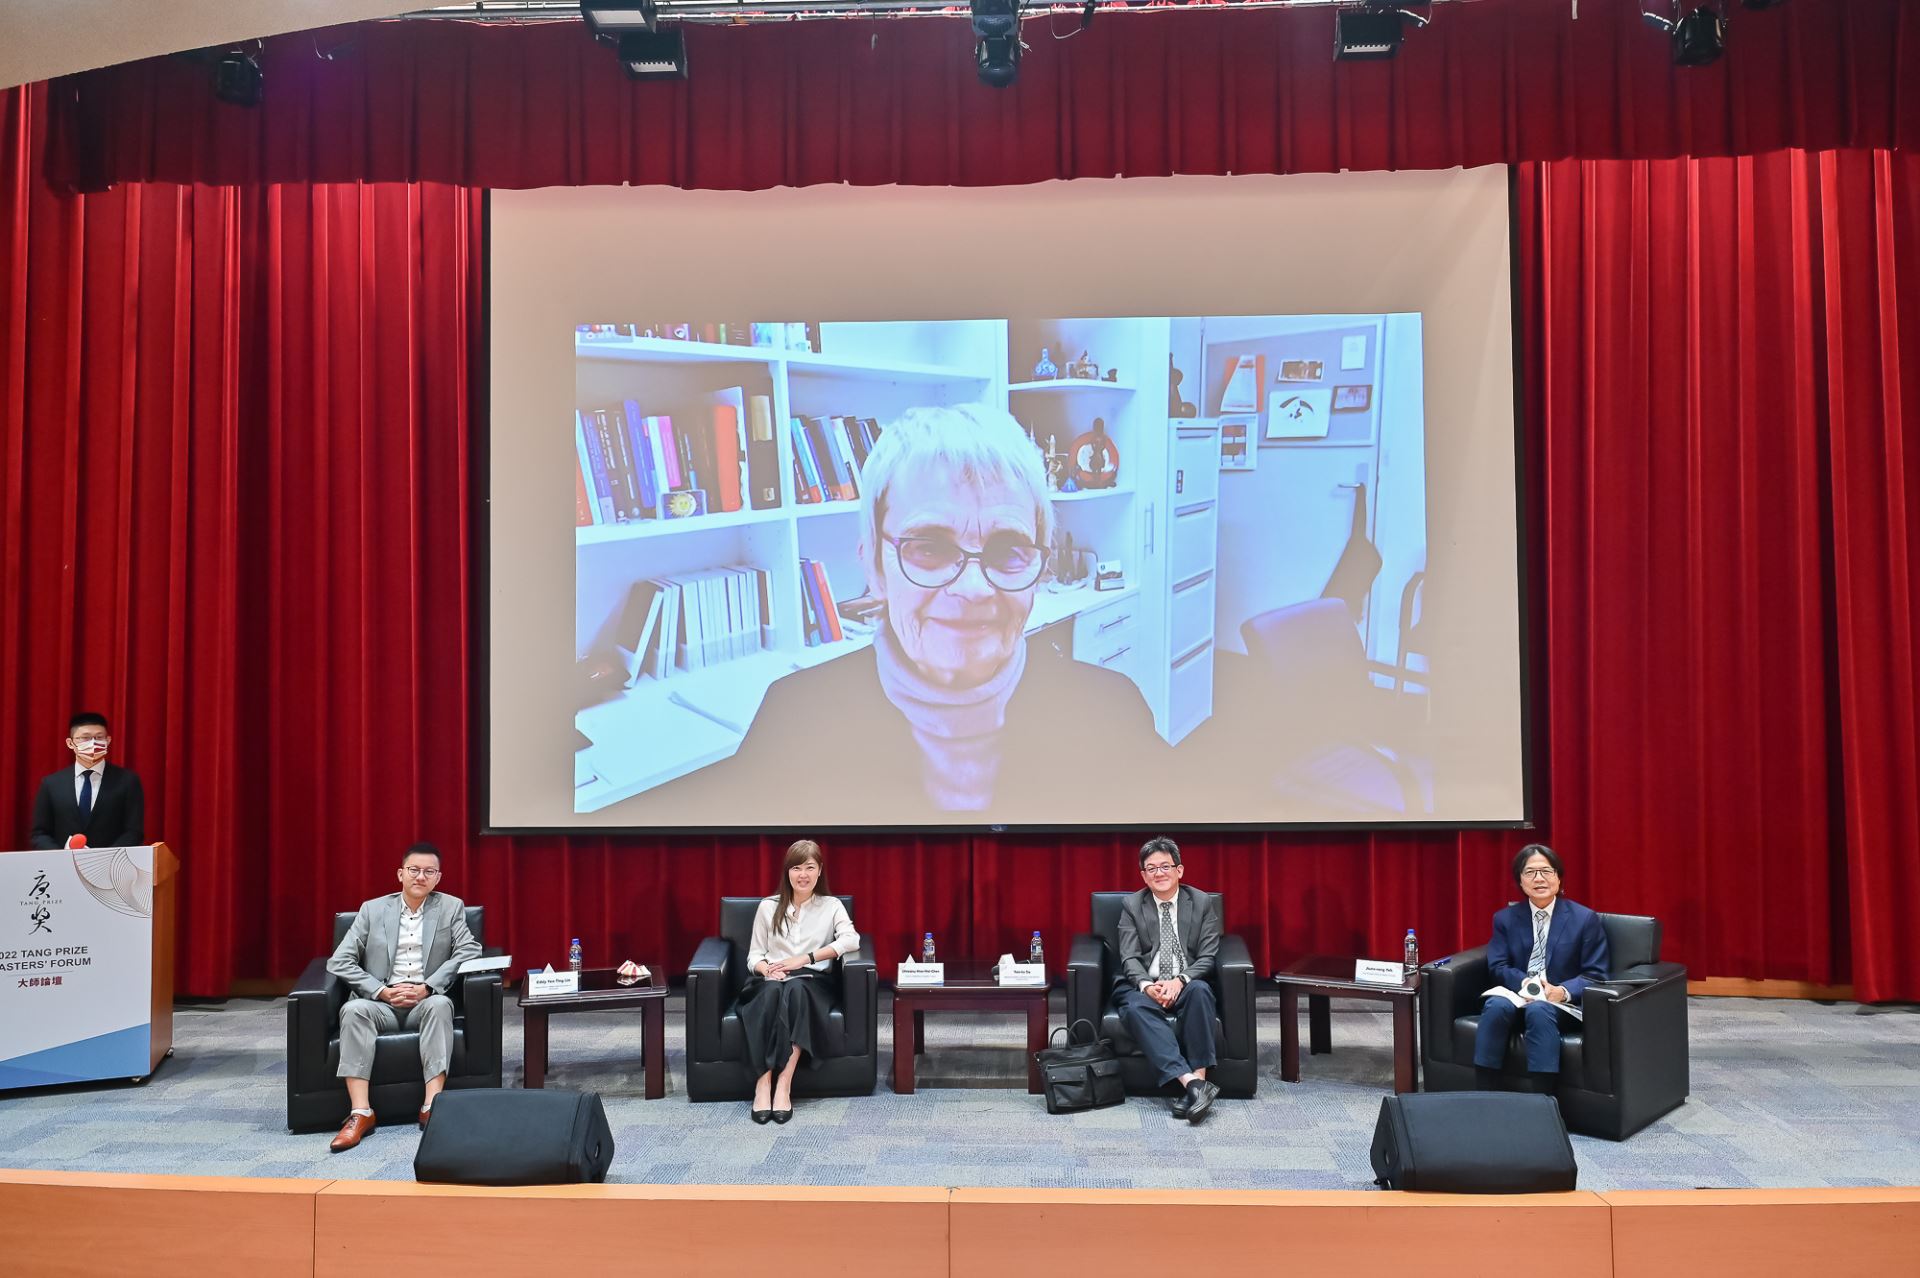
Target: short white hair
x=964, y=443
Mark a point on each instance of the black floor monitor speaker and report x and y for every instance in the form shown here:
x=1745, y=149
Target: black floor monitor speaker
x=1472, y=1143
x=505, y=1136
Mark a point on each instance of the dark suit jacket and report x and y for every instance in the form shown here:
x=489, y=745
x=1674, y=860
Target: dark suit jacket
x=1576, y=947
x=118, y=819
x=1199, y=925
x=1071, y=728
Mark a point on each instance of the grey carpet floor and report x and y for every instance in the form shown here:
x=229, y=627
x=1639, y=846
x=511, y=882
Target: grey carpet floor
x=1784, y=1094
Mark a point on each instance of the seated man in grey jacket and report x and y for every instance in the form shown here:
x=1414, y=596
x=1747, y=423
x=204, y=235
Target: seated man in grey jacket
x=1169, y=946
x=400, y=957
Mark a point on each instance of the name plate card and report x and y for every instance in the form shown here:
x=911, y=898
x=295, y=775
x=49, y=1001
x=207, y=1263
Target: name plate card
x=1023, y=973
x=542, y=984
x=1374, y=972
x=912, y=973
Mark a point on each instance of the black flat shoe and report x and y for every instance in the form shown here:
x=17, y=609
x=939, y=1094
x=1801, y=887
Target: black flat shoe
x=782, y=1115
x=762, y=1116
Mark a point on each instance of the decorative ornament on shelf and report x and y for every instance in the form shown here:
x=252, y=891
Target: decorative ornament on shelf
x=1096, y=458
x=1045, y=370
x=1177, y=407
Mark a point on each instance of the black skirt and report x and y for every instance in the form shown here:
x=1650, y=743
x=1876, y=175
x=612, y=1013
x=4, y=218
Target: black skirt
x=777, y=1016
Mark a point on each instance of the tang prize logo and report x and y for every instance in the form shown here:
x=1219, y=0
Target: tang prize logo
x=113, y=879
x=40, y=901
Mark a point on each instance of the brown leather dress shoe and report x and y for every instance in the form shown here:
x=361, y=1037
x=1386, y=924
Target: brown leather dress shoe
x=356, y=1129
x=426, y=1112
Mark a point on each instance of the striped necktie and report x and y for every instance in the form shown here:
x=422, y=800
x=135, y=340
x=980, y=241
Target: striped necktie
x=1537, y=964
x=1173, y=960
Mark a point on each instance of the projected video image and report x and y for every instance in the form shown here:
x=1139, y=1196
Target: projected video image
x=984, y=572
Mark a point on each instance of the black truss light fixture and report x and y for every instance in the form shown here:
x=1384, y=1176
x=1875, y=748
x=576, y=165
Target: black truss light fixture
x=611, y=19
x=632, y=27
x=237, y=78
x=1761, y=4
x=1371, y=32
x=1698, y=31
x=654, y=55
x=996, y=33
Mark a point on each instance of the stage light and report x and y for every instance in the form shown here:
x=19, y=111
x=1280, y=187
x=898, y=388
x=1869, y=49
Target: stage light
x=611, y=19
x=996, y=32
x=1699, y=34
x=237, y=78
x=1372, y=32
x=654, y=55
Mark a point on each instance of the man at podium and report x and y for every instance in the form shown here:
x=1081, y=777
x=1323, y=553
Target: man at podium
x=93, y=797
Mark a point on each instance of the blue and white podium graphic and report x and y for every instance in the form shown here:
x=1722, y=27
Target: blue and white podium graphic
x=77, y=960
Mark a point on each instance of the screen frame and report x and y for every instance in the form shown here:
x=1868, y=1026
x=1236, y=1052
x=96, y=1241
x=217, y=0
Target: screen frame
x=480, y=670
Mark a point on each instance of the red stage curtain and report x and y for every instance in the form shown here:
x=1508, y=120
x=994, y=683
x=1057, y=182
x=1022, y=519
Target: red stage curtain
x=1202, y=90
x=233, y=515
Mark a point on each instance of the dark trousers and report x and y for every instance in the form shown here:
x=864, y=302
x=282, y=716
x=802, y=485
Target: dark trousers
x=778, y=1016
x=1172, y=1049
x=1541, y=1028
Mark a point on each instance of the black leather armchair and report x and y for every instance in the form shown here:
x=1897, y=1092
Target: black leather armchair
x=1092, y=966
x=1622, y=1067
x=717, y=1069
x=317, y=1099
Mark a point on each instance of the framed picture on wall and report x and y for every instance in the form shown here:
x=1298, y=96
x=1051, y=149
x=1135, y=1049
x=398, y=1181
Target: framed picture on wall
x=1353, y=399
x=1299, y=414
x=1301, y=370
x=1236, y=443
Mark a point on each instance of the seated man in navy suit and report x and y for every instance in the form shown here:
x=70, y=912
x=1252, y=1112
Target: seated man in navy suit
x=1556, y=943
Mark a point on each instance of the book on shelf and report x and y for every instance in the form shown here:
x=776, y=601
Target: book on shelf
x=763, y=454
x=817, y=590
x=836, y=428
x=634, y=633
x=583, y=516
x=596, y=467
x=729, y=447
x=642, y=453
x=812, y=485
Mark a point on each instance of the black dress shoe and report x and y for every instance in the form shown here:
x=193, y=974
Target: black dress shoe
x=1180, y=1105
x=1200, y=1094
x=783, y=1115
x=762, y=1116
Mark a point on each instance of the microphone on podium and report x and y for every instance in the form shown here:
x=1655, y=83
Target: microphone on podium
x=76, y=841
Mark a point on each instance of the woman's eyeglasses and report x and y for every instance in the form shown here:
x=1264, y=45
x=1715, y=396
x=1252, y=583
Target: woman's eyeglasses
x=1009, y=561
x=1539, y=872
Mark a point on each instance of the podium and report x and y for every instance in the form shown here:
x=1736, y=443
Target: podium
x=86, y=964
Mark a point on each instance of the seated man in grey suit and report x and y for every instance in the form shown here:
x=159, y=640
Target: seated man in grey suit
x=400, y=957
x=1169, y=945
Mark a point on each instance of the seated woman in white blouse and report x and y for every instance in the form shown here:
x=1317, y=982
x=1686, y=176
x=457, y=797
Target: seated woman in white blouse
x=783, y=1008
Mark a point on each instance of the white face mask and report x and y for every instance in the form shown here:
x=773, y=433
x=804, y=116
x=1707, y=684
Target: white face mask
x=92, y=749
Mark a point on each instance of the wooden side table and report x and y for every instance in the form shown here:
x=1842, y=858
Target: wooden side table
x=969, y=987
x=600, y=990
x=1321, y=976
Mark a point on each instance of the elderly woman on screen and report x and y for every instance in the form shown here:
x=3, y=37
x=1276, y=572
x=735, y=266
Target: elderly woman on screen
x=954, y=708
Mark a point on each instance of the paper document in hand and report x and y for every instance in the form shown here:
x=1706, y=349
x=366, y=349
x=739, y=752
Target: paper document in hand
x=1521, y=1000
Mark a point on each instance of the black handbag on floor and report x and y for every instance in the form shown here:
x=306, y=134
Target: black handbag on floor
x=1085, y=1074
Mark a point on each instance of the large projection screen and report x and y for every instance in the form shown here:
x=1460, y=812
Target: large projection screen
x=1148, y=503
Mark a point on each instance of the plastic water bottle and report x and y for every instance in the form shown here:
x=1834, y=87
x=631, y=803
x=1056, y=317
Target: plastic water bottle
x=1034, y=954
x=926, y=948
x=573, y=954
x=1413, y=953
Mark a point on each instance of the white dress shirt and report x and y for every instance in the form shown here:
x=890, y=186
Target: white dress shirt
x=822, y=923
x=80, y=770
x=409, y=958
x=1153, y=968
